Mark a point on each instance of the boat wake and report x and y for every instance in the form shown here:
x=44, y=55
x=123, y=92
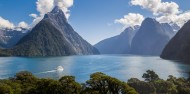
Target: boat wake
x=58, y=69
x=47, y=72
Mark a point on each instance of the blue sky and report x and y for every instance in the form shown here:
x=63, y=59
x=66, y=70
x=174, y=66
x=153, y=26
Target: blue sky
x=92, y=19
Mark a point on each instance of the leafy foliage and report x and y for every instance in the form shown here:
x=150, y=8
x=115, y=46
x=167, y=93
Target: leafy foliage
x=69, y=85
x=99, y=83
x=150, y=75
x=104, y=84
x=141, y=86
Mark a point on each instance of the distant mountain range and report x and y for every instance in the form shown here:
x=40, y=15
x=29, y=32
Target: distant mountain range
x=9, y=37
x=120, y=44
x=148, y=39
x=53, y=36
x=179, y=46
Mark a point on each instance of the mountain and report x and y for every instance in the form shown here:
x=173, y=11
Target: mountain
x=9, y=37
x=174, y=26
x=52, y=36
x=151, y=38
x=119, y=44
x=168, y=30
x=179, y=46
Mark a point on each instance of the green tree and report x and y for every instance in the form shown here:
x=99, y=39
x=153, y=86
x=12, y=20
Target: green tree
x=5, y=89
x=16, y=87
x=126, y=89
x=27, y=81
x=150, y=75
x=25, y=77
x=108, y=85
x=165, y=87
x=46, y=86
x=142, y=87
x=69, y=85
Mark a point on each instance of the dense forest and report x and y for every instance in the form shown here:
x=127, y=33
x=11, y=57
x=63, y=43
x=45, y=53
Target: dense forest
x=99, y=83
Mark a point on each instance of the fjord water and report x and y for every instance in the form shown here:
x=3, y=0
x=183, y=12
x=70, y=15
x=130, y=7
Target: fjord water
x=122, y=67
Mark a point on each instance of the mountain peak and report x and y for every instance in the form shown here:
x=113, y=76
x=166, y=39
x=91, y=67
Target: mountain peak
x=150, y=25
x=150, y=20
x=56, y=15
x=131, y=29
x=52, y=36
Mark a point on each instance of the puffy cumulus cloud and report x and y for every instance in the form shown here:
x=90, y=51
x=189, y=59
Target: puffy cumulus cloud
x=164, y=12
x=167, y=8
x=146, y=4
x=64, y=5
x=179, y=19
x=45, y=6
x=6, y=24
x=23, y=25
x=157, y=6
x=131, y=19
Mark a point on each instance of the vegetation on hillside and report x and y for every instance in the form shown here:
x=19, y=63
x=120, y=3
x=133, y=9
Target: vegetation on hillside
x=99, y=83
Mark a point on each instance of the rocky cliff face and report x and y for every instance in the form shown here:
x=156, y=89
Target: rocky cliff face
x=179, y=46
x=53, y=36
x=151, y=38
x=120, y=44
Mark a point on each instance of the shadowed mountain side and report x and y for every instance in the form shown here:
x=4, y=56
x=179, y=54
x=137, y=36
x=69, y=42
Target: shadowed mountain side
x=150, y=39
x=179, y=46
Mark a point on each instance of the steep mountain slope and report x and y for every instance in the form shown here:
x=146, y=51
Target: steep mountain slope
x=150, y=39
x=179, y=46
x=53, y=36
x=119, y=44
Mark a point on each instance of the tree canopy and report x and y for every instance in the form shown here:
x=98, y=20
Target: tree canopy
x=25, y=82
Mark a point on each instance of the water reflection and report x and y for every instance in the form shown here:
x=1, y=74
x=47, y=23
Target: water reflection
x=137, y=65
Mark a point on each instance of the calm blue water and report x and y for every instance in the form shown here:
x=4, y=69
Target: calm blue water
x=119, y=66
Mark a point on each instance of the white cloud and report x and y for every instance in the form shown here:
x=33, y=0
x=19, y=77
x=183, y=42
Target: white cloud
x=164, y=12
x=33, y=15
x=45, y=6
x=157, y=6
x=179, y=19
x=168, y=8
x=23, y=25
x=64, y=5
x=6, y=24
x=131, y=19
x=146, y=4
